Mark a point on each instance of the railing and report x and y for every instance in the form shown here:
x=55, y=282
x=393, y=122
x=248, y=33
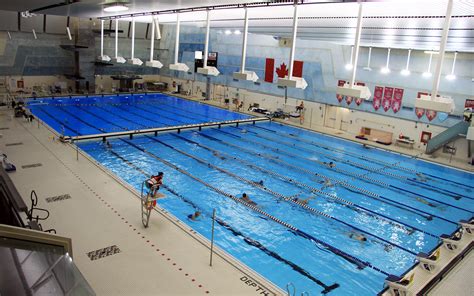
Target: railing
x=447, y=136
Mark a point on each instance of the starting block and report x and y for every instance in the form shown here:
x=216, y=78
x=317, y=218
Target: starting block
x=427, y=262
x=398, y=286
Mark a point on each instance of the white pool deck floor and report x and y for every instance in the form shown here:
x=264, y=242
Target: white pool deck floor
x=168, y=258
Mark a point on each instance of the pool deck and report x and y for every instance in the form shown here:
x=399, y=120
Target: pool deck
x=167, y=258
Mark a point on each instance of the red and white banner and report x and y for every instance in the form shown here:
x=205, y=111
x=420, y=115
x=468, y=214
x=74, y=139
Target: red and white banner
x=419, y=112
x=349, y=100
x=430, y=114
x=397, y=99
x=340, y=83
x=387, y=98
x=378, y=93
x=298, y=68
x=359, y=101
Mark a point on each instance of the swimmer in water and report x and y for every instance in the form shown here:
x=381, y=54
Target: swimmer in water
x=303, y=201
x=259, y=183
x=424, y=201
x=421, y=177
x=194, y=216
x=217, y=154
x=247, y=199
x=357, y=236
x=327, y=184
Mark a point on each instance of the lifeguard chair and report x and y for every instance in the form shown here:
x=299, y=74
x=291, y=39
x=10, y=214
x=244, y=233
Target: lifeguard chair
x=148, y=202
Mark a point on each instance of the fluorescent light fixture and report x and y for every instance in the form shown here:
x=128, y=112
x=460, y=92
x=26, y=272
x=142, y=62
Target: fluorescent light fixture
x=406, y=72
x=386, y=69
x=227, y=32
x=349, y=66
x=431, y=52
x=237, y=32
x=428, y=73
x=368, y=60
x=116, y=7
x=452, y=76
x=34, y=33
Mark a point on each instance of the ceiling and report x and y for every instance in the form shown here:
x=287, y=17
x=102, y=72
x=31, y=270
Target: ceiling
x=413, y=24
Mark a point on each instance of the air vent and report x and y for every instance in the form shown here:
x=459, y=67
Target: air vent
x=14, y=144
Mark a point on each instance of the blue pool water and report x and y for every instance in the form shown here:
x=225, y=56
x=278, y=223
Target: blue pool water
x=97, y=114
x=365, y=218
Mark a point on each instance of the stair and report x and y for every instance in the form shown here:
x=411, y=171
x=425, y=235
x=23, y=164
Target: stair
x=449, y=135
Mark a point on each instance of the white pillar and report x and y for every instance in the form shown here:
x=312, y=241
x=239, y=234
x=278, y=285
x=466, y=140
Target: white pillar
x=101, y=38
x=116, y=38
x=206, y=45
x=442, y=48
x=293, y=42
x=152, y=37
x=244, y=43
x=176, y=45
x=355, y=55
x=133, y=39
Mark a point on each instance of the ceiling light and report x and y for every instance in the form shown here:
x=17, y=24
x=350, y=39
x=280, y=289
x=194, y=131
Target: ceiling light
x=237, y=32
x=386, y=69
x=452, y=76
x=406, y=72
x=428, y=74
x=227, y=32
x=116, y=7
x=350, y=66
x=368, y=60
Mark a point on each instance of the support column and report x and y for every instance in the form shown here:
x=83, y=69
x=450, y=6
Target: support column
x=293, y=42
x=355, y=55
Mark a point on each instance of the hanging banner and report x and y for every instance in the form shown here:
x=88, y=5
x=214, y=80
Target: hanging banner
x=378, y=93
x=349, y=100
x=359, y=101
x=419, y=112
x=269, y=67
x=397, y=99
x=430, y=114
x=340, y=83
x=387, y=98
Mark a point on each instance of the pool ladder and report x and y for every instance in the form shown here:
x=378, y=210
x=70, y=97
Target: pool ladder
x=290, y=284
x=146, y=200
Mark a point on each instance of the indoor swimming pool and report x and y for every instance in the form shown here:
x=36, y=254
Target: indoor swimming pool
x=111, y=113
x=329, y=216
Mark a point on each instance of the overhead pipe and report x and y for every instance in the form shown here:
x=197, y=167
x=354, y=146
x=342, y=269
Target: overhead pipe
x=133, y=60
x=442, y=49
x=154, y=26
x=176, y=65
x=355, y=56
x=243, y=74
x=289, y=81
x=117, y=59
x=102, y=57
x=206, y=70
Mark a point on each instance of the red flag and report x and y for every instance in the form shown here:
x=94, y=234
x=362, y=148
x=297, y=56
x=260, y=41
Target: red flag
x=378, y=93
x=298, y=68
x=397, y=99
x=387, y=98
x=340, y=83
x=269, y=66
x=282, y=71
